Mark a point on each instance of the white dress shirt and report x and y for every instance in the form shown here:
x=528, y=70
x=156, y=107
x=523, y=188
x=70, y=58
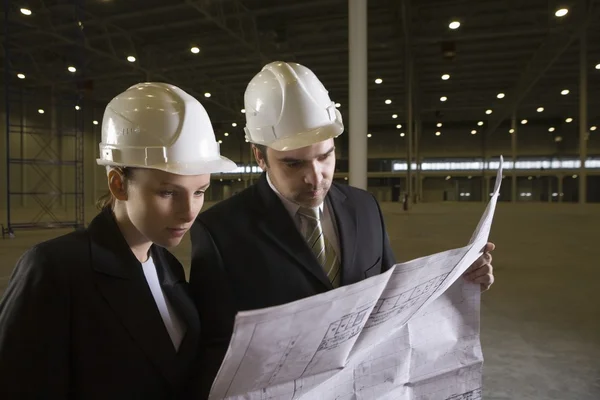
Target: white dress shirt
x=175, y=327
x=327, y=220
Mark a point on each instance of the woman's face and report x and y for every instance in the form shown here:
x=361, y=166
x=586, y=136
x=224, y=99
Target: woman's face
x=162, y=206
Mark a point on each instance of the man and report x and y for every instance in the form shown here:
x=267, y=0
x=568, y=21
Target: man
x=295, y=233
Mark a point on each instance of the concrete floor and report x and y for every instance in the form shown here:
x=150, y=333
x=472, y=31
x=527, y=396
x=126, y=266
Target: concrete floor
x=541, y=319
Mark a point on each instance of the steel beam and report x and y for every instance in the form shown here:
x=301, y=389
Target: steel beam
x=546, y=55
x=246, y=34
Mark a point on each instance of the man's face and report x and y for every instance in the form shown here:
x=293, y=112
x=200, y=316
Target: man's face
x=304, y=175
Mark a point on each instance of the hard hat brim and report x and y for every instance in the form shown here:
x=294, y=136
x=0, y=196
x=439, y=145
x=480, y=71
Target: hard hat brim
x=308, y=138
x=215, y=166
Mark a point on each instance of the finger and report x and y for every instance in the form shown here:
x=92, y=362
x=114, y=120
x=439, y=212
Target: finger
x=486, y=286
x=486, y=279
x=489, y=247
x=485, y=258
x=481, y=271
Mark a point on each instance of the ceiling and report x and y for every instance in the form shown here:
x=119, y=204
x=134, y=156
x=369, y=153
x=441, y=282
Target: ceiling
x=519, y=48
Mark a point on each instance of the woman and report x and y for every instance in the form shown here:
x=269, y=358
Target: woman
x=104, y=313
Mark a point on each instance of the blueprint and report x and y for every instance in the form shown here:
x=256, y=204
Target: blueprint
x=409, y=333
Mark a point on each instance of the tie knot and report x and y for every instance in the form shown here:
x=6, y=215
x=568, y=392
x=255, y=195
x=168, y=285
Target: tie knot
x=309, y=212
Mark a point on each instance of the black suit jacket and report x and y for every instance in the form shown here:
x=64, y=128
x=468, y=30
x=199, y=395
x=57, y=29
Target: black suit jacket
x=78, y=321
x=247, y=254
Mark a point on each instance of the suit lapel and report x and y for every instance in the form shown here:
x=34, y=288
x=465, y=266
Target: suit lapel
x=345, y=218
x=120, y=279
x=175, y=289
x=276, y=224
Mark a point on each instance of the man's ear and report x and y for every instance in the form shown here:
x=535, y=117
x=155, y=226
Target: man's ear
x=260, y=158
x=117, y=184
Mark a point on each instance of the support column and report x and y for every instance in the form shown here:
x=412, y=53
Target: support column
x=226, y=191
x=513, y=141
x=23, y=128
x=583, y=122
x=409, y=82
x=418, y=129
x=485, y=185
x=357, y=68
x=560, y=188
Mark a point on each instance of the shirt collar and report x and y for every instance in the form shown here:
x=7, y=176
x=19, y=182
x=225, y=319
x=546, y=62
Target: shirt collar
x=289, y=205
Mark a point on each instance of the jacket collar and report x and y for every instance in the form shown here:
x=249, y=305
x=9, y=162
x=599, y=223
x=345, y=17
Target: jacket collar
x=276, y=223
x=122, y=283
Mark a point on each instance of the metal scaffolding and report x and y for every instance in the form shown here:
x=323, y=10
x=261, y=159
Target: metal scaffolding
x=44, y=147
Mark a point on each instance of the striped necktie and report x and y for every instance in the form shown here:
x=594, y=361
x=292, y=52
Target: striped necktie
x=320, y=246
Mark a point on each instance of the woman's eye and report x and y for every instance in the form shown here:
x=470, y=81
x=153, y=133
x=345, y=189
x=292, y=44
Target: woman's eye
x=167, y=193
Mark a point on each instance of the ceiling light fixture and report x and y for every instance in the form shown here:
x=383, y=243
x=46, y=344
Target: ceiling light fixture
x=378, y=81
x=454, y=25
x=21, y=76
x=511, y=131
x=438, y=133
x=473, y=132
x=565, y=92
x=25, y=11
x=243, y=111
x=523, y=122
x=77, y=108
x=569, y=120
x=439, y=125
x=388, y=101
x=399, y=126
x=445, y=77
x=41, y=111
x=593, y=128
x=500, y=95
x=234, y=124
x=72, y=69
x=207, y=94
x=488, y=112
x=402, y=134
x=551, y=129
x=337, y=105
x=369, y=135
x=480, y=123
x=394, y=116
x=443, y=98
x=95, y=122
x=195, y=50
x=540, y=109
x=131, y=58
x=226, y=134
x=561, y=12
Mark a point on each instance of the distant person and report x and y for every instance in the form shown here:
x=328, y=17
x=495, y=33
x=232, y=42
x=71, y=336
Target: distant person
x=104, y=312
x=295, y=233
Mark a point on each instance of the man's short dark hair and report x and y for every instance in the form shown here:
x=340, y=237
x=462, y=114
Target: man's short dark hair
x=263, y=149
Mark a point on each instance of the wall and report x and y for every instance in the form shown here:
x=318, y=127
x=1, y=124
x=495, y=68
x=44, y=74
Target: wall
x=532, y=141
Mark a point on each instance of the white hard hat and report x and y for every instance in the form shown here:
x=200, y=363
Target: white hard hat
x=287, y=107
x=159, y=126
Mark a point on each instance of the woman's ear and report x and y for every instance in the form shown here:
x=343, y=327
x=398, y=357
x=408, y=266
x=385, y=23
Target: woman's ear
x=117, y=184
